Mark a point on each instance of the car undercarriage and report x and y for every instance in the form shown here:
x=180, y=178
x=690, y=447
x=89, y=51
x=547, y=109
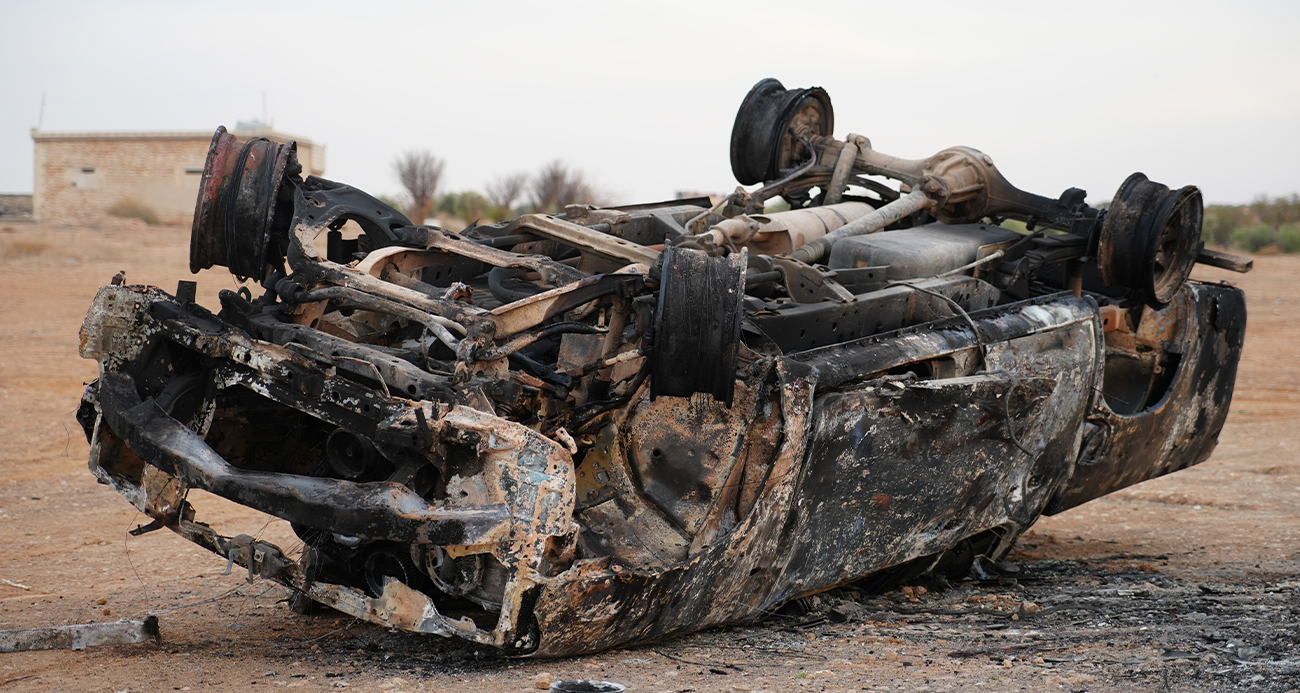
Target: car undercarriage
x=569, y=432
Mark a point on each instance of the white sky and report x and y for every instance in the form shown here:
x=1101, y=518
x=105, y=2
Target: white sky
x=642, y=96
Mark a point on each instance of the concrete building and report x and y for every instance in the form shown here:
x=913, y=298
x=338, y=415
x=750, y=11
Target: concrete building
x=80, y=176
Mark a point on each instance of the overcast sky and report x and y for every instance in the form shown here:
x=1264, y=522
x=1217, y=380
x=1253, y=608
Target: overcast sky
x=642, y=96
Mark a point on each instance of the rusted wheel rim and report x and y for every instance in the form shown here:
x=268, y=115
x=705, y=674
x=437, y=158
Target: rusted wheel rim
x=236, y=207
x=766, y=136
x=1150, y=239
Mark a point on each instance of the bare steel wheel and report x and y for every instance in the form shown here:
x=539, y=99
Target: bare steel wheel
x=1150, y=239
x=771, y=126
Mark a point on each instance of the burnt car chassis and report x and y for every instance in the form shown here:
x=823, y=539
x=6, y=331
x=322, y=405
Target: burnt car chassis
x=566, y=433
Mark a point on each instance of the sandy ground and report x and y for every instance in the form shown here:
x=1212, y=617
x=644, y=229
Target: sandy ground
x=1188, y=582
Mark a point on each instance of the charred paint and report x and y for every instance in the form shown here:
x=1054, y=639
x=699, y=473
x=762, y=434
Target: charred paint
x=612, y=426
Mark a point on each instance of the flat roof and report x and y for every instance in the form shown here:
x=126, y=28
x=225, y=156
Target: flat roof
x=40, y=135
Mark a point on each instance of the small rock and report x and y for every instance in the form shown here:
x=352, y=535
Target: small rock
x=845, y=611
x=543, y=681
x=1177, y=654
x=891, y=657
x=101, y=601
x=1006, y=664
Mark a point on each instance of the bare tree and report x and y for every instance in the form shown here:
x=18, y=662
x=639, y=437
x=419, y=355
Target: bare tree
x=419, y=172
x=556, y=185
x=505, y=190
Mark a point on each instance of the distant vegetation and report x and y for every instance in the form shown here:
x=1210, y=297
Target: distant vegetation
x=131, y=208
x=20, y=250
x=548, y=191
x=419, y=172
x=1265, y=225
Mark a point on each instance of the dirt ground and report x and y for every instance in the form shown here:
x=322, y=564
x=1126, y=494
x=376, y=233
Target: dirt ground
x=1187, y=582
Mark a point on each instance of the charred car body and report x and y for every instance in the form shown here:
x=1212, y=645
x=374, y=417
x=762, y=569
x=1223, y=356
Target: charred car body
x=565, y=433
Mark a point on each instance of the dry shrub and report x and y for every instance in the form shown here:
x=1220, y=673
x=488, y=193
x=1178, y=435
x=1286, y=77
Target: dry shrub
x=557, y=185
x=131, y=208
x=503, y=191
x=1288, y=238
x=419, y=173
x=19, y=250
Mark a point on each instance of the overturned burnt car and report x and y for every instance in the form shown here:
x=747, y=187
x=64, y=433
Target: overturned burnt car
x=570, y=432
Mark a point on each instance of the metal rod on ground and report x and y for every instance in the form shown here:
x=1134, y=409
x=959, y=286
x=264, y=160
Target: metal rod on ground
x=80, y=636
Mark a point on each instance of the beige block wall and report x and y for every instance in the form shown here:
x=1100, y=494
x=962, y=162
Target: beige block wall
x=311, y=156
x=79, y=178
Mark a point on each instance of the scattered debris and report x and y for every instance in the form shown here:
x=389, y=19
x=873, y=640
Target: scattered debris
x=1177, y=654
x=567, y=433
x=81, y=636
x=587, y=686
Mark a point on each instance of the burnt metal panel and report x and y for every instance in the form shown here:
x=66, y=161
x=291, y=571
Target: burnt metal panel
x=1182, y=428
x=577, y=431
x=899, y=469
